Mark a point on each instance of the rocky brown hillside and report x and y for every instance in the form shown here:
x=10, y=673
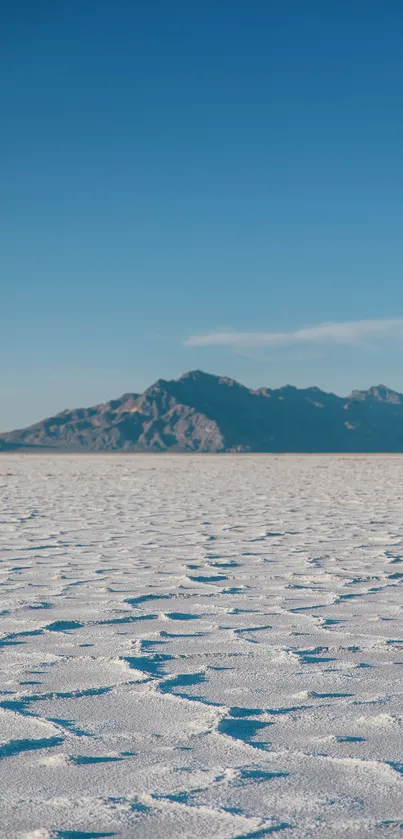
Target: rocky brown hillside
x=204, y=413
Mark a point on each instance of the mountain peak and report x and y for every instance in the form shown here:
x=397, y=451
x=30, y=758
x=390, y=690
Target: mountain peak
x=208, y=378
x=377, y=393
x=385, y=394
x=196, y=376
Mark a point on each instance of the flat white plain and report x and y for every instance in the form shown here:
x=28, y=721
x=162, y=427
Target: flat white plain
x=201, y=647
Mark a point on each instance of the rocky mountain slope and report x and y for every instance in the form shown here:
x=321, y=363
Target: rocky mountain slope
x=204, y=413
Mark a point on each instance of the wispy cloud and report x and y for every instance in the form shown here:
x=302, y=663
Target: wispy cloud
x=347, y=333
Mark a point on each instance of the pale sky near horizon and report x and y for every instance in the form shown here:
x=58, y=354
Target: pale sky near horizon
x=211, y=185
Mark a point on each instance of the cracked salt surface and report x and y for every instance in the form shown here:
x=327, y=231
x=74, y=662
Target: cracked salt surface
x=196, y=647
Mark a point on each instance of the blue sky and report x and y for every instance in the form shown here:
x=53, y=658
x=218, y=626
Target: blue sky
x=211, y=185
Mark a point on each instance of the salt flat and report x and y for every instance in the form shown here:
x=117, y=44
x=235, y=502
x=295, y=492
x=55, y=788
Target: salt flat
x=201, y=647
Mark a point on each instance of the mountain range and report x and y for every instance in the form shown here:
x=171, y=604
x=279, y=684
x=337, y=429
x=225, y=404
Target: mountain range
x=201, y=412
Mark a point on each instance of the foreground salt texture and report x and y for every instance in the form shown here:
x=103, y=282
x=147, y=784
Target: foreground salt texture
x=201, y=647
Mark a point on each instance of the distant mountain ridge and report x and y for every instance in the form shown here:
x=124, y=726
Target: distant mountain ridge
x=201, y=412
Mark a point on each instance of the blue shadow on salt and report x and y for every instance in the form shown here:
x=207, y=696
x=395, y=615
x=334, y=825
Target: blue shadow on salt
x=144, y=598
x=15, y=747
x=245, y=712
x=84, y=760
x=181, y=616
x=79, y=834
x=260, y=775
x=266, y=831
x=243, y=729
x=182, y=680
x=150, y=665
x=63, y=626
x=70, y=726
x=398, y=767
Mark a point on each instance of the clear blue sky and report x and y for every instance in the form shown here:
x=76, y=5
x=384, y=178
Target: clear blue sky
x=194, y=184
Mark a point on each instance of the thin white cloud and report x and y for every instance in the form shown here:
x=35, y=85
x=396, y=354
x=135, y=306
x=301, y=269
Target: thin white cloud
x=347, y=333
